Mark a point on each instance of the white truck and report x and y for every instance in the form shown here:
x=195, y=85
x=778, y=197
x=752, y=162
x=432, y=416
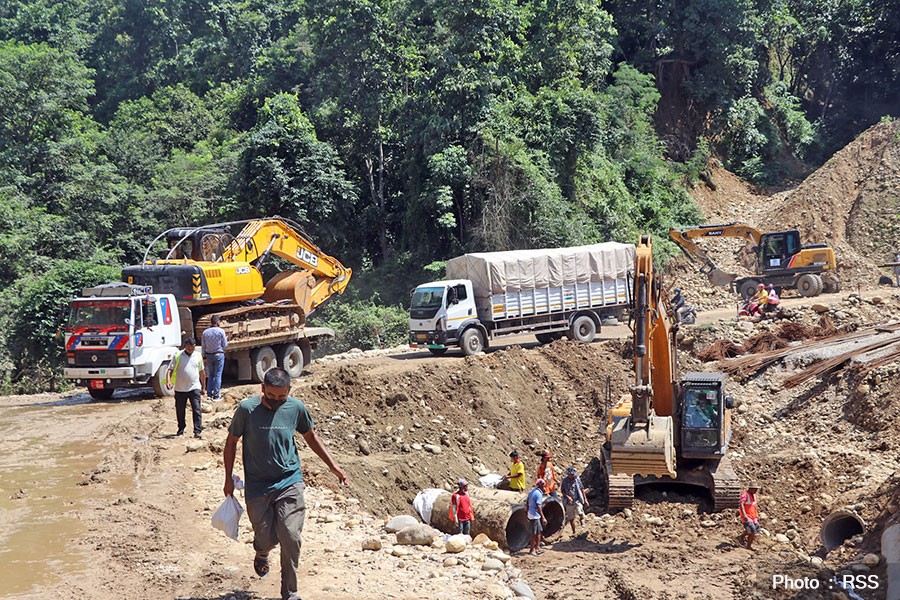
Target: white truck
x=121, y=335
x=551, y=293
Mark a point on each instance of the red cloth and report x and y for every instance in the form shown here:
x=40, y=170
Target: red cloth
x=748, y=502
x=463, y=504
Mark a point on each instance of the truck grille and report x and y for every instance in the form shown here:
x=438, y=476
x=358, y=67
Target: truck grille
x=423, y=313
x=95, y=358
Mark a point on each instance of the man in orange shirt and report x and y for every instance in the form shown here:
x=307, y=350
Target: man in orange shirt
x=547, y=472
x=749, y=513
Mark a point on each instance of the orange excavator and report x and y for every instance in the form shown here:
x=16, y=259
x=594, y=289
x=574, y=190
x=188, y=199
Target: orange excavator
x=667, y=430
x=781, y=259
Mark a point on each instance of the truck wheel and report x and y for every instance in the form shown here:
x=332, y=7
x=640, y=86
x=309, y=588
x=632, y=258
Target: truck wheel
x=306, y=350
x=160, y=386
x=261, y=360
x=437, y=351
x=583, y=329
x=748, y=288
x=290, y=358
x=101, y=394
x=544, y=338
x=471, y=342
x=809, y=285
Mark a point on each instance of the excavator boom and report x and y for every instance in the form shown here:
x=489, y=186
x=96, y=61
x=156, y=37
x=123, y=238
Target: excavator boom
x=685, y=236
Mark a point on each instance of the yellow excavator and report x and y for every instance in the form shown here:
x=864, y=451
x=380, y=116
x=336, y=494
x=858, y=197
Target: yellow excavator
x=780, y=259
x=211, y=272
x=667, y=430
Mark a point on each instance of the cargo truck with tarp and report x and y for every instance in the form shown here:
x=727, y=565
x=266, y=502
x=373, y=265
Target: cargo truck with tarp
x=552, y=293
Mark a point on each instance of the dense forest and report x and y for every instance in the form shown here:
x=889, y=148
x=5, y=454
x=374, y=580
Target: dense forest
x=399, y=132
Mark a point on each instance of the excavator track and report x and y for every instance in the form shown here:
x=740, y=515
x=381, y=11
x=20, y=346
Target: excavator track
x=726, y=492
x=245, y=323
x=619, y=488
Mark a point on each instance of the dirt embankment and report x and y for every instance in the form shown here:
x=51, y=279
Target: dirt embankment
x=851, y=203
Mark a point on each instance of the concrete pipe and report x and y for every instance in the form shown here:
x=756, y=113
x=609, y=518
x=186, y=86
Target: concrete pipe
x=890, y=549
x=840, y=526
x=499, y=514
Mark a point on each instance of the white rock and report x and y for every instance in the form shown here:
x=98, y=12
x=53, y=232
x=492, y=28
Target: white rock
x=871, y=560
x=501, y=556
x=492, y=564
x=708, y=523
x=521, y=589
x=400, y=551
x=399, y=522
x=450, y=562
x=416, y=535
x=431, y=448
x=455, y=544
x=782, y=539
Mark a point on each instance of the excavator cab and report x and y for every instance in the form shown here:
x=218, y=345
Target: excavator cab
x=704, y=415
x=777, y=249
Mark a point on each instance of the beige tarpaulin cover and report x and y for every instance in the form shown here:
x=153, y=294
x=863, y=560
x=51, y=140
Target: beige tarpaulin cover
x=520, y=270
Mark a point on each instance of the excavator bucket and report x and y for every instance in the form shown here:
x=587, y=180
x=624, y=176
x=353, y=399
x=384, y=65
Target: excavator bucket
x=645, y=450
x=720, y=278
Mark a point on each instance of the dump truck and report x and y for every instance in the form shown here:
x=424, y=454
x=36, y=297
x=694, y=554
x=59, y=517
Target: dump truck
x=125, y=334
x=781, y=259
x=551, y=293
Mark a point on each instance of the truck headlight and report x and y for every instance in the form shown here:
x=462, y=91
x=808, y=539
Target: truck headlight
x=122, y=358
x=70, y=359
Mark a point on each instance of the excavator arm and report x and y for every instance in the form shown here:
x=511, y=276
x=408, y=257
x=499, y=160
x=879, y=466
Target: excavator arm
x=685, y=236
x=319, y=277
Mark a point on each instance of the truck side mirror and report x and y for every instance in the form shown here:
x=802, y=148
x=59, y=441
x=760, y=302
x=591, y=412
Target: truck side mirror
x=729, y=402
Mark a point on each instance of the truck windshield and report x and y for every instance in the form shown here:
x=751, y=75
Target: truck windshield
x=98, y=315
x=429, y=297
x=701, y=408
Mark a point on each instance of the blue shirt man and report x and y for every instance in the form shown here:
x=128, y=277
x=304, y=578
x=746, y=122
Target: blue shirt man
x=536, y=518
x=214, y=341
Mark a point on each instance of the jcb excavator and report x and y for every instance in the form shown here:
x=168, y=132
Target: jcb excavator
x=667, y=429
x=125, y=334
x=780, y=259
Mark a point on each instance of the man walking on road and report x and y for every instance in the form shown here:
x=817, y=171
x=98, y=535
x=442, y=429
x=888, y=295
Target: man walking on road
x=536, y=519
x=272, y=475
x=214, y=343
x=190, y=384
x=749, y=514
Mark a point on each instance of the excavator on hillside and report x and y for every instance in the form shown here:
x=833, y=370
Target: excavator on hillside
x=124, y=334
x=780, y=259
x=667, y=430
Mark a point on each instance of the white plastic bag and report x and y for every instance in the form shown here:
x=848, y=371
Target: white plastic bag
x=228, y=516
x=491, y=480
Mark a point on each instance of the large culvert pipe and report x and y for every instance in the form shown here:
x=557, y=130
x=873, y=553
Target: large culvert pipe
x=890, y=549
x=840, y=526
x=499, y=514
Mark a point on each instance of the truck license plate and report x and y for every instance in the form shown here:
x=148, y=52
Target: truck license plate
x=421, y=336
x=95, y=384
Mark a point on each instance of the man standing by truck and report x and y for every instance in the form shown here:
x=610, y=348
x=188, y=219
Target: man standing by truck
x=274, y=482
x=214, y=343
x=190, y=384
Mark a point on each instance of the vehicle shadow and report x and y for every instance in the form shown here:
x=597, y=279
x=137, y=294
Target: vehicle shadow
x=578, y=544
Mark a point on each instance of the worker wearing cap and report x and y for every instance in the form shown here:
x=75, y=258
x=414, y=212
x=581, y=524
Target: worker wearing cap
x=547, y=472
x=749, y=513
x=461, y=507
x=516, y=475
x=574, y=498
x=536, y=519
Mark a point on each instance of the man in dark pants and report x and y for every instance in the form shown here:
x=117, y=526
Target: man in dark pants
x=274, y=481
x=214, y=343
x=190, y=384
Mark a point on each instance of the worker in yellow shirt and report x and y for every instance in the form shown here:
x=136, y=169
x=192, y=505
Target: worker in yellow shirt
x=516, y=476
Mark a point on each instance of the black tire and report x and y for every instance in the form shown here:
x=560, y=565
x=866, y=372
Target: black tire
x=471, y=342
x=437, y=351
x=809, y=285
x=160, y=387
x=544, y=338
x=820, y=284
x=105, y=394
x=748, y=288
x=261, y=360
x=290, y=358
x=583, y=330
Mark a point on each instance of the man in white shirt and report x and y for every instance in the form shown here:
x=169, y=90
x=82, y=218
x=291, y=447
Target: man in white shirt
x=190, y=384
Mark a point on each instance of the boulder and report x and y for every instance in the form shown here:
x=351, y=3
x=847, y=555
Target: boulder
x=521, y=589
x=416, y=535
x=871, y=560
x=492, y=564
x=480, y=539
x=820, y=308
x=501, y=556
x=372, y=543
x=399, y=522
x=455, y=543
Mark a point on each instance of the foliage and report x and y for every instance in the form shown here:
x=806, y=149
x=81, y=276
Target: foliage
x=364, y=324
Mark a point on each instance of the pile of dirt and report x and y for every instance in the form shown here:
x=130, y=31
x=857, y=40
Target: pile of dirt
x=850, y=203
